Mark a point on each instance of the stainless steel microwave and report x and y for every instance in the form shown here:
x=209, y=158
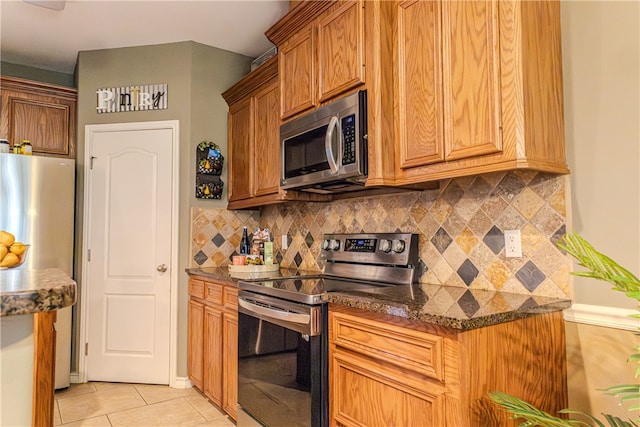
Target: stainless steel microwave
x=325, y=151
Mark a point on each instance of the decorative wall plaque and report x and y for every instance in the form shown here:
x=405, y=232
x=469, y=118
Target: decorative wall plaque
x=132, y=98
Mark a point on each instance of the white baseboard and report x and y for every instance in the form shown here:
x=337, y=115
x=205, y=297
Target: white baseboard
x=181, y=382
x=609, y=317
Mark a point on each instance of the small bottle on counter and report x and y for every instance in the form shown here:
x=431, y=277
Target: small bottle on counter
x=256, y=243
x=17, y=148
x=27, y=148
x=4, y=146
x=244, y=243
x=268, y=248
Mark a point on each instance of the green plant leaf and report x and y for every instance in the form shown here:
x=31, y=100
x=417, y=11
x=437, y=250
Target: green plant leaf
x=617, y=422
x=532, y=415
x=622, y=388
x=584, y=414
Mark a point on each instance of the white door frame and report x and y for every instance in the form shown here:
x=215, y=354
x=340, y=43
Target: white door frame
x=90, y=130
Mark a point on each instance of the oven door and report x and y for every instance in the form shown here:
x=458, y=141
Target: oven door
x=282, y=362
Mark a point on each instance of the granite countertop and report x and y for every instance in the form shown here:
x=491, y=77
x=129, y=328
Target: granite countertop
x=451, y=306
x=34, y=291
x=222, y=274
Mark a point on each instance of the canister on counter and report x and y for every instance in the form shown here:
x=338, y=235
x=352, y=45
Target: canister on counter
x=4, y=146
x=26, y=147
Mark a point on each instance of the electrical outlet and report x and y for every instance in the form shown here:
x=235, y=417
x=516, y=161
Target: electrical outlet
x=512, y=244
x=285, y=242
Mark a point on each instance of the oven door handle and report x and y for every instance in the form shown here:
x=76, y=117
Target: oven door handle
x=286, y=316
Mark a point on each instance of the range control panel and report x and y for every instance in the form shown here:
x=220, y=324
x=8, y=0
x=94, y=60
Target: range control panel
x=377, y=248
x=360, y=245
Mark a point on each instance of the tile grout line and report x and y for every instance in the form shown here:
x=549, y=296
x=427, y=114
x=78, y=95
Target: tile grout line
x=59, y=413
x=197, y=410
x=140, y=394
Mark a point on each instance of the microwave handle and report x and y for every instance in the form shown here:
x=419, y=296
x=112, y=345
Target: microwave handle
x=333, y=126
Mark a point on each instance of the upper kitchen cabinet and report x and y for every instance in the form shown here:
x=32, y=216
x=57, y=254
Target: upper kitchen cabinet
x=253, y=136
x=254, y=140
x=454, y=88
x=321, y=53
x=42, y=113
x=478, y=87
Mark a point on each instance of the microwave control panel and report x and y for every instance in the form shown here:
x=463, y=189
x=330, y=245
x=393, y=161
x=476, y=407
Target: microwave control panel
x=349, y=136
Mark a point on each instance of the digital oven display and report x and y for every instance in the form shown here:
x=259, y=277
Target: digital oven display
x=360, y=245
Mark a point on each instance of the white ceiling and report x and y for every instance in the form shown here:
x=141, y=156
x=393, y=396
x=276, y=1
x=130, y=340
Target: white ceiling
x=49, y=39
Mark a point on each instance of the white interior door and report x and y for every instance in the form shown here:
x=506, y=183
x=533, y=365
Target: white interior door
x=128, y=278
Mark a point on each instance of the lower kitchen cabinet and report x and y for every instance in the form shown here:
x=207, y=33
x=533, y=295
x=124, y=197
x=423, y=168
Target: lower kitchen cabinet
x=213, y=342
x=195, y=340
x=230, y=355
x=386, y=370
x=212, y=386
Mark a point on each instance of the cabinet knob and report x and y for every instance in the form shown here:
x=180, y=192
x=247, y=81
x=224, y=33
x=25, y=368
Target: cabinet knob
x=162, y=268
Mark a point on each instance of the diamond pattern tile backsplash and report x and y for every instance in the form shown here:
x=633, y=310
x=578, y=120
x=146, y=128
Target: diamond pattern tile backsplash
x=216, y=234
x=460, y=225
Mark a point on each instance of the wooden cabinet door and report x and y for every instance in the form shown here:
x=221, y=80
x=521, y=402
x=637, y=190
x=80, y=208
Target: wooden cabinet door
x=45, y=124
x=195, y=343
x=241, y=150
x=471, y=78
x=297, y=65
x=420, y=97
x=42, y=113
x=230, y=370
x=366, y=393
x=267, y=141
x=341, y=50
x=213, y=351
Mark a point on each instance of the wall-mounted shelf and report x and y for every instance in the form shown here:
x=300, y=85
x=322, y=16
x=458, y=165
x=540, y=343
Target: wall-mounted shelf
x=209, y=163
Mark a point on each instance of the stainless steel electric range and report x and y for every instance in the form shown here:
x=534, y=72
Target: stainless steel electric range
x=282, y=326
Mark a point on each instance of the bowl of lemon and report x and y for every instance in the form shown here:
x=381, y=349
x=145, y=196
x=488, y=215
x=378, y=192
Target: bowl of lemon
x=12, y=254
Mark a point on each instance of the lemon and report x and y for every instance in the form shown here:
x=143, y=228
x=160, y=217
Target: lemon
x=6, y=238
x=9, y=260
x=18, y=248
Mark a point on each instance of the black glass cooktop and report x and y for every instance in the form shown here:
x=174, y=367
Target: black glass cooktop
x=306, y=289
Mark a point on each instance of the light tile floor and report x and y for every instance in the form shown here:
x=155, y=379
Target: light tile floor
x=120, y=404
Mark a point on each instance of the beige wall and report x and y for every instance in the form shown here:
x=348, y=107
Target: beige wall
x=36, y=74
x=601, y=45
x=196, y=75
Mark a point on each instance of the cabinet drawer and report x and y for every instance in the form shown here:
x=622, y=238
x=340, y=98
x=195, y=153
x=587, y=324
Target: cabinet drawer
x=365, y=393
x=405, y=348
x=213, y=292
x=196, y=288
x=230, y=298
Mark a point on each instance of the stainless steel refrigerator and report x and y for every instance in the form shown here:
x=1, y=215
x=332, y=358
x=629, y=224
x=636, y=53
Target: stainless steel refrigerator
x=37, y=205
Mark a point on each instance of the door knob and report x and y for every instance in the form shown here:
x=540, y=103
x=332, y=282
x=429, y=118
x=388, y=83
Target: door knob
x=162, y=268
